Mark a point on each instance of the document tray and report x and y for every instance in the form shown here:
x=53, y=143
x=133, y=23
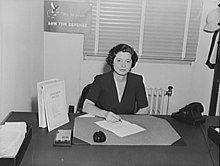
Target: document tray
x=19, y=156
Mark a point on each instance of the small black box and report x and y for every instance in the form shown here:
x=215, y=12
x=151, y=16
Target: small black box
x=214, y=135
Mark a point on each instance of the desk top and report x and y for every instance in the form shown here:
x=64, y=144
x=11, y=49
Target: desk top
x=41, y=151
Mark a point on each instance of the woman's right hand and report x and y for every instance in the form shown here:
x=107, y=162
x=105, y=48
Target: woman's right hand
x=111, y=117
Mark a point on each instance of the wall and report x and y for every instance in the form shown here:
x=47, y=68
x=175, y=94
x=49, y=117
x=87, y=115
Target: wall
x=202, y=76
x=1, y=114
x=190, y=82
x=21, y=54
x=23, y=63
x=63, y=57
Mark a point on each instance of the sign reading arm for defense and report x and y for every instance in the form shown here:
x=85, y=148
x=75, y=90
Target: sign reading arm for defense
x=67, y=17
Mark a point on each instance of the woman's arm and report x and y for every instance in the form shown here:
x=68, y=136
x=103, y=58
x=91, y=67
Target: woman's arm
x=89, y=107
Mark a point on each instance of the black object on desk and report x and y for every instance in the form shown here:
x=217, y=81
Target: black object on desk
x=99, y=136
x=191, y=114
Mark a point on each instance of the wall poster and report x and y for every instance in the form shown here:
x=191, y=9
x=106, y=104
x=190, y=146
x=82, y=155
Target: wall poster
x=67, y=17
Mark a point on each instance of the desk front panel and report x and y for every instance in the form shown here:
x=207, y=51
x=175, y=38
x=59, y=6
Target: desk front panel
x=41, y=151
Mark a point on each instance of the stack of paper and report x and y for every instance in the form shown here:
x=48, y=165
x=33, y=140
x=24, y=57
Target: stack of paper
x=52, y=109
x=12, y=135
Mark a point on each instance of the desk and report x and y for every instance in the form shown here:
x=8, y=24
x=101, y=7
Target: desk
x=42, y=153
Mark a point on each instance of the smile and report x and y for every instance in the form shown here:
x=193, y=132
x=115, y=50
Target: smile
x=122, y=69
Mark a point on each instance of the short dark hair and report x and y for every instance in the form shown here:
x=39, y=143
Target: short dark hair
x=121, y=48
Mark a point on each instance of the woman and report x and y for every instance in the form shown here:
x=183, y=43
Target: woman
x=118, y=91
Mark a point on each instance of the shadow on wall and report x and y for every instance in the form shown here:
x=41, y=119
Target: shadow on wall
x=106, y=68
x=34, y=106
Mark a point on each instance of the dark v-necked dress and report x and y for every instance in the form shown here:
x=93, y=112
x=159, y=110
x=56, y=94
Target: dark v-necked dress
x=103, y=93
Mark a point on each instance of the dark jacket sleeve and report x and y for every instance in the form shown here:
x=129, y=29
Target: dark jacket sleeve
x=95, y=90
x=141, y=96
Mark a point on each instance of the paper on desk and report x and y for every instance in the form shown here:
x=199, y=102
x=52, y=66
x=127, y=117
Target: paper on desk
x=86, y=116
x=12, y=135
x=122, y=128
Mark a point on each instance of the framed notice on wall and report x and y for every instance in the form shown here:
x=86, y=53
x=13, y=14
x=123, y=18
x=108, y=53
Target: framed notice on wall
x=67, y=17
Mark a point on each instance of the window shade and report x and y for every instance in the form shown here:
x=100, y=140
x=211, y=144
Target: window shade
x=157, y=29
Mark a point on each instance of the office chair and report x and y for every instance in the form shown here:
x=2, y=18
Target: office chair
x=82, y=98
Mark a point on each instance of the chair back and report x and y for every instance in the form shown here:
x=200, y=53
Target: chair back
x=82, y=98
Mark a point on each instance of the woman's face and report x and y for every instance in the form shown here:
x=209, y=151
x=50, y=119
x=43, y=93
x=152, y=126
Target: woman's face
x=122, y=63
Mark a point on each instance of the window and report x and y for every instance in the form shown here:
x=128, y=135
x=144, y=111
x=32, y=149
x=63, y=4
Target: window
x=157, y=29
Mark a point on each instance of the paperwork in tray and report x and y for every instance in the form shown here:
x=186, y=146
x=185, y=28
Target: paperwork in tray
x=121, y=128
x=12, y=135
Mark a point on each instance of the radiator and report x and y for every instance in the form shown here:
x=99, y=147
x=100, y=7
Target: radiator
x=158, y=100
x=218, y=105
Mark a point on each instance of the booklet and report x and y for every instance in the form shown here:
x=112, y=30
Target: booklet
x=55, y=105
x=41, y=107
x=52, y=108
